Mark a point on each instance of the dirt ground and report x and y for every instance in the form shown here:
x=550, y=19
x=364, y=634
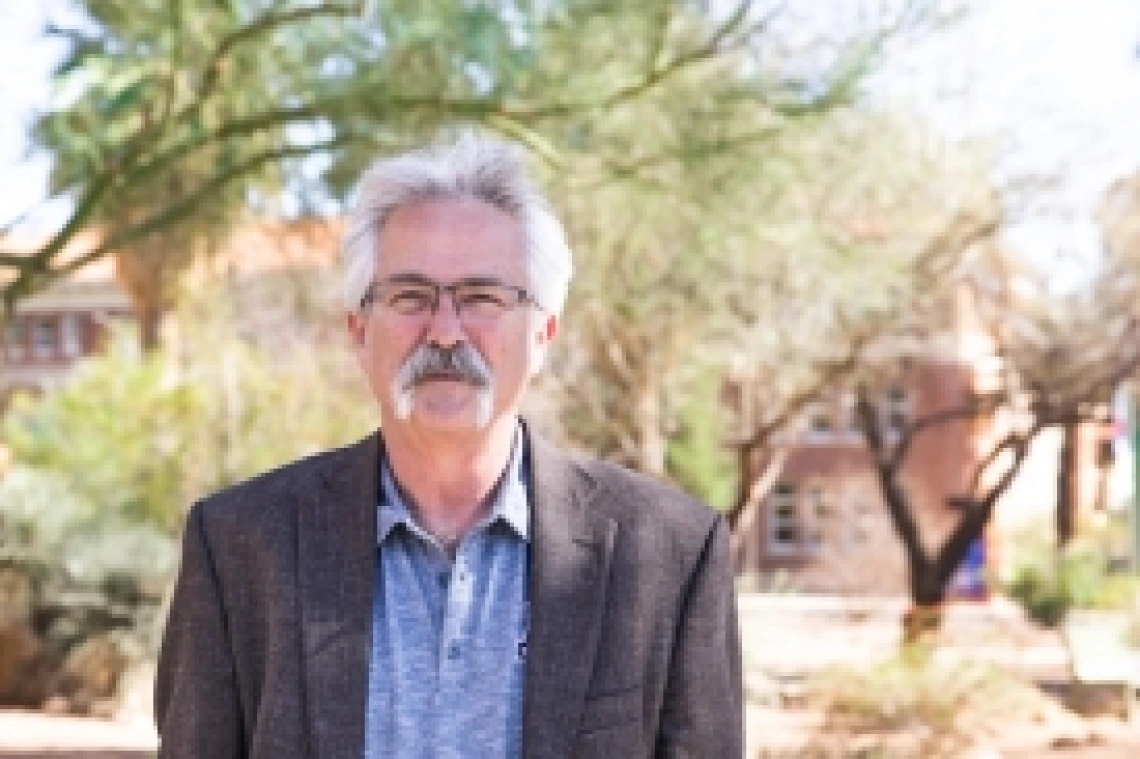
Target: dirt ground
x=782, y=732
x=773, y=733
x=858, y=631
x=776, y=650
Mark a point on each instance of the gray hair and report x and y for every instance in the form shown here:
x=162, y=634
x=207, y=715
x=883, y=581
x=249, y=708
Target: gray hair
x=474, y=166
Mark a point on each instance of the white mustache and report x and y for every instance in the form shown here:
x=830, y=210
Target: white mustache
x=460, y=361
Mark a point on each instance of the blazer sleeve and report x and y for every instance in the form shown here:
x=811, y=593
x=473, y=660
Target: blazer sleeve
x=702, y=713
x=197, y=708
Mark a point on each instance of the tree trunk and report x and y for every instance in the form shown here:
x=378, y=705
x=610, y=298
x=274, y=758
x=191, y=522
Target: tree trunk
x=651, y=437
x=746, y=476
x=149, y=322
x=1066, y=483
x=756, y=481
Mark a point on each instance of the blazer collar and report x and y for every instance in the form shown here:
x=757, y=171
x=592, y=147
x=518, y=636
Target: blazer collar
x=336, y=546
x=569, y=568
x=570, y=551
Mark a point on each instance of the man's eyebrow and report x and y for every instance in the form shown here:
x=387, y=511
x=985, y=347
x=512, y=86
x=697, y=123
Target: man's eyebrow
x=479, y=280
x=409, y=277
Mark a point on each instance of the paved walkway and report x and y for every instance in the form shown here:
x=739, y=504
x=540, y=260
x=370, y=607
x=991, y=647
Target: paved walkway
x=35, y=734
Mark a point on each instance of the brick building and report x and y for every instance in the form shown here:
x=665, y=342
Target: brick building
x=53, y=329
x=824, y=526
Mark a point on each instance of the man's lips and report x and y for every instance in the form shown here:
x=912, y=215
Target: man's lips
x=444, y=377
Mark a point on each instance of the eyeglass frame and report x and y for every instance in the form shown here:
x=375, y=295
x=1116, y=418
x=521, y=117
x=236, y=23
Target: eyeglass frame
x=523, y=295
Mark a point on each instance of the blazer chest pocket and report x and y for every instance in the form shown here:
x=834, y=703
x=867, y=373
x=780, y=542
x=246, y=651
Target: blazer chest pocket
x=611, y=726
x=610, y=709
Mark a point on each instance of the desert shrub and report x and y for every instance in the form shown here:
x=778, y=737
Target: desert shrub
x=104, y=466
x=140, y=437
x=916, y=703
x=1049, y=582
x=91, y=587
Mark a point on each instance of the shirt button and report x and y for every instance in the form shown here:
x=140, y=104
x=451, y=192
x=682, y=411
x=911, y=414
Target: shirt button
x=453, y=651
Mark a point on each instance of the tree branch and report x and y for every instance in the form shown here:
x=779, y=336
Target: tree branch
x=976, y=407
x=267, y=22
x=33, y=277
x=901, y=517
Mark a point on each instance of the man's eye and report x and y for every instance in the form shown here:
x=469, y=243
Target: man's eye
x=482, y=302
x=410, y=300
x=483, y=296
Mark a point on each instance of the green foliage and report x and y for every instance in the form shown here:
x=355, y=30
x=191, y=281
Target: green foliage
x=105, y=464
x=88, y=571
x=697, y=458
x=723, y=196
x=114, y=433
x=1049, y=582
x=170, y=118
x=139, y=437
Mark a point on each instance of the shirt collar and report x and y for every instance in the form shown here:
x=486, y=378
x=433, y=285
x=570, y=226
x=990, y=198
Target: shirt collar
x=509, y=504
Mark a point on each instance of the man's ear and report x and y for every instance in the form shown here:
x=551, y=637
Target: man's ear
x=544, y=335
x=354, y=320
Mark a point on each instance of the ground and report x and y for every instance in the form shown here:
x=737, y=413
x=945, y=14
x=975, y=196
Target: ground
x=778, y=658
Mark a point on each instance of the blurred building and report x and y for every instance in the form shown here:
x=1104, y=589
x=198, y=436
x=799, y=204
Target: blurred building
x=56, y=327
x=824, y=527
x=276, y=271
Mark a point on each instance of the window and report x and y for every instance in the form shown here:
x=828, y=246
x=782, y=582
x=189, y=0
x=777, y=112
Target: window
x=850, y=417
x=860, y=519
x=71, y=336
x=895, y=411
x=819, y=511
x=15, y=337
x=783, y=521
x=818, y=426
x=43, y=337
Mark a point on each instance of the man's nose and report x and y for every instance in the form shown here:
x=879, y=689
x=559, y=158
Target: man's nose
x=444, y=327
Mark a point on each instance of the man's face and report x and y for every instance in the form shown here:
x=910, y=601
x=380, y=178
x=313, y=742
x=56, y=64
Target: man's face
x=447, y=241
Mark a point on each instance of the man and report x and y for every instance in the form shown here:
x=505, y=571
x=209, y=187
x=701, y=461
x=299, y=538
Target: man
x=453, y=585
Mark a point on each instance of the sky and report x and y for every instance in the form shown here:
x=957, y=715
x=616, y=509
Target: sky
x=1054, y=85
x=26, y=60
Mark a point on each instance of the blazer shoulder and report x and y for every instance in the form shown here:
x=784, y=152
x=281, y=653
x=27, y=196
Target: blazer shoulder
x=630, y=496
x=269, y=492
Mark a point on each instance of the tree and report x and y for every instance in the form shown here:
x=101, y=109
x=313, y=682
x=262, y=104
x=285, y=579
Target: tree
x=1060, y=358
x=1078, y=346
x=185, y=113
x=930, y=571
x=900, y=241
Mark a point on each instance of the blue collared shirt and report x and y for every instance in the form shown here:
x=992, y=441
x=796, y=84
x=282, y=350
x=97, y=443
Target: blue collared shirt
x=449, y=637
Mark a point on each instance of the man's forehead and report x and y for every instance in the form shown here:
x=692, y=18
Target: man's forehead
x=444, y=212
x=455, y=237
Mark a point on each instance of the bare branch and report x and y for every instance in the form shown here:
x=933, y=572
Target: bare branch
x=974, y=408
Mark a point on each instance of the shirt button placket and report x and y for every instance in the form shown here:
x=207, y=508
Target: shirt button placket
x=457, y=607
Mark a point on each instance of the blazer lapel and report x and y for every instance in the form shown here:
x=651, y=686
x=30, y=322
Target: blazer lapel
x=336, y=547
x=570, y=559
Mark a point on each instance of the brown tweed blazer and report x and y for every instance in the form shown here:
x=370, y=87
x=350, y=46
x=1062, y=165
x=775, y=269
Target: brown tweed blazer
x=633, y=648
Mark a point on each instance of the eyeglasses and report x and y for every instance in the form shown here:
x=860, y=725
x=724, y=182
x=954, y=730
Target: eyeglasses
x=485, y=299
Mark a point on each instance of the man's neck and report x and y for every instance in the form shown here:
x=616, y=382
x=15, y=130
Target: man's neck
x=447, y=479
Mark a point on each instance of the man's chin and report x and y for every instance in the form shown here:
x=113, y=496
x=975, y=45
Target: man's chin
x=448, y=405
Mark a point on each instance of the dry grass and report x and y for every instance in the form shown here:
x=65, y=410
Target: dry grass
x=919, y=704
